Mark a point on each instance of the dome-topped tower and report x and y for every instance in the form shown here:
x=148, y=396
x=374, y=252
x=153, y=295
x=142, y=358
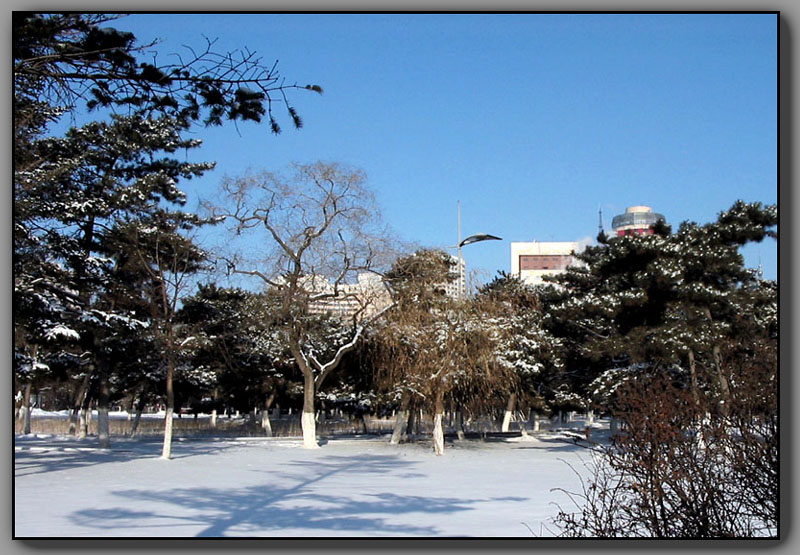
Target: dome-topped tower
x=637, y=220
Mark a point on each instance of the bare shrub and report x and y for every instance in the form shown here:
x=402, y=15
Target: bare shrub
x=679, y=473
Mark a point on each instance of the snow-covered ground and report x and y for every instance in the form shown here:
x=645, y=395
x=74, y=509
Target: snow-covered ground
x=259, y=487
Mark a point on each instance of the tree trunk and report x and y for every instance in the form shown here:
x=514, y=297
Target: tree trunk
x=308, y=420
x=694, y=381
x=137, y=418
x=266, y=425
x=438, y=430
x=412, y=422
x=438, y=434
x=722, y=380
x=460, y=423
x=26, y=409
x=103, y=435
x=84, y=418
x=510, y=407
x=214, y=418
x=166, y=451
x=523, y=427
x=400, y=424
x=80, y=395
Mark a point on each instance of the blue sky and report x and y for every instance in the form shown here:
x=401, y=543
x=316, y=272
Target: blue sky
x=532, y=121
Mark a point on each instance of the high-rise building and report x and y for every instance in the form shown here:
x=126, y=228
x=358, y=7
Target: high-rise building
x=531, y=261
x=637, y=220
x=456, y=288
x=368, y=296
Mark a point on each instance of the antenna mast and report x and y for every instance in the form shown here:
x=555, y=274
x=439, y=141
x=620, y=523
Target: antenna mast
x=600, y=221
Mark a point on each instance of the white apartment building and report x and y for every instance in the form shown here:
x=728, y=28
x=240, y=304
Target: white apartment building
x=531, y=261
x=457, y=287
x=368, y=295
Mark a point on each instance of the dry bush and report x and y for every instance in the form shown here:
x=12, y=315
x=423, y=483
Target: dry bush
x=679, y=472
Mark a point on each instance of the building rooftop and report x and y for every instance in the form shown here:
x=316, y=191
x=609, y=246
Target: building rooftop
x=638, y=216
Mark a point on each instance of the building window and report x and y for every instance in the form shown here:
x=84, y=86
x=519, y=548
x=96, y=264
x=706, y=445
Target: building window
x=543, y=262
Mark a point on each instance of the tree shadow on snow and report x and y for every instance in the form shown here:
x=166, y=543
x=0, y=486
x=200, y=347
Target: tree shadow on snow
x=39, y=457
x=557, y=444
x=308, y=503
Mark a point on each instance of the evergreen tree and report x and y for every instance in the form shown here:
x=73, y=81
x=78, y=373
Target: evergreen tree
x=158, y=246
x=683, y=339
x=526, y=347
x=70, y=209
x=62, y=58
x=665, y=300
x=237, y=353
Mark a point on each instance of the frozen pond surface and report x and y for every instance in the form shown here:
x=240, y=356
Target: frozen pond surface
x=251, y=487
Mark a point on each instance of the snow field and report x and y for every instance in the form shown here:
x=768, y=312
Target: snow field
x=274, y=488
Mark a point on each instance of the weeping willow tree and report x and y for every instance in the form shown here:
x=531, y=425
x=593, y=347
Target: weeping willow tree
x=433, y=351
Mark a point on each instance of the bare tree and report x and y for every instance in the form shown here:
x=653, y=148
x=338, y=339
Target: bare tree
x=322, y=228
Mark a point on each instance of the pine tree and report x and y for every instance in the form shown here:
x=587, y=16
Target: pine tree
x=64, y=58
x=158, y=246
x=237, y=353
x=526, y=347
x=69, y=210
x=681, y=339
x=664, y=300
x=70, y=191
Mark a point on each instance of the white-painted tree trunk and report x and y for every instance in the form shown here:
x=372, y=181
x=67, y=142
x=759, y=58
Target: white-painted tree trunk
x=536, y=421
x=166, y=450
x=438, y=434
x=509, y=414
x=266, y=425
x=399, y=430
x=309, y=425
x=103, y=435
x=506, y=421
x=214, y=418
x=589, y=417
x=83, y=422
x=523, y=428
